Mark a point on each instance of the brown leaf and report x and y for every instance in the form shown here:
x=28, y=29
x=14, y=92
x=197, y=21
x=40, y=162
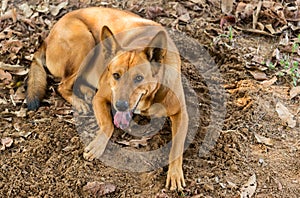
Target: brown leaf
x=3, y=101
x=43, y=8
x=3, y=5
x=136, y=143
x=200, y=2
x=185, y=17
x=258, y=59
x=294, y=91
x=244, y=10
x=268, y=83
x=27, y=11
x=260, y=26
x=13, y=46
x=17, y=126
x=270, y=28
x=54, y=10
x=20, y=93
x=180, y=9
x=285, y=115
x=248, y=189
x=162, y=194
x=6, y=143
x=10, y=67
x=268, y=4
x=154, y=11
x=21, y=113
x=10, y=14
x=258, y=75
x=64, y=111
x=226, y=6
x=263, y=140
x=5, y=76
x=20, y=72
x=99, y=188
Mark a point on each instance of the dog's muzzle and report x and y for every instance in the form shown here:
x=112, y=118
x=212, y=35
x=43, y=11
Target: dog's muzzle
x=122, y=118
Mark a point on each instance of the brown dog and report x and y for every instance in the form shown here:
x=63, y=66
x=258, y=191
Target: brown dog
x=137, y=71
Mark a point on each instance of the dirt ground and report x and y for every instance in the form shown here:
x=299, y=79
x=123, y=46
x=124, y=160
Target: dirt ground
x=244, y=103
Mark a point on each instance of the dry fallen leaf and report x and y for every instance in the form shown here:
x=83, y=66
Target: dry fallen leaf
x=136, y=143
x=22, y=113
x=162, y=194
x=54, y=10
x=258, y=75
x=154, y=11
x=185, y=18
x=9, y=67
x=231, y=185
x=6, y=143
x=10, y=14
x=3, y=5
x=43, y=8
x=263, y=140
x=20, y=94
x=248, y=189
x=294, y=92
x=244, y=10
x=270, y=28
x=285, y=115
x=27, y=11
x=3, y=101
x=20, y=72
x=226, y=6
x=98, y=189
x=6, y=76
x=268, y=83
x=64, y=111
x=12, y=45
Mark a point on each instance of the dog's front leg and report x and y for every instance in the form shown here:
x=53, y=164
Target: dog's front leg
x=103, y=116
x=175, y=178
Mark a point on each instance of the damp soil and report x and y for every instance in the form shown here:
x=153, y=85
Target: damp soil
x=227, y=109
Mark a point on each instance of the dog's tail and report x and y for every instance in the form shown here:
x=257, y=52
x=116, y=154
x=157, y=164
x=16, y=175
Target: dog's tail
x=37, y=81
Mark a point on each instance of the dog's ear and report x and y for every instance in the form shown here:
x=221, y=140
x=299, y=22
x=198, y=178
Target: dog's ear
x=156, y=50
x=110, y=44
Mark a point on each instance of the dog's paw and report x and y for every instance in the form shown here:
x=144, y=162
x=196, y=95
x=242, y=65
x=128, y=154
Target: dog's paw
x=175, y=179
x=80, y=105
x=96, y=148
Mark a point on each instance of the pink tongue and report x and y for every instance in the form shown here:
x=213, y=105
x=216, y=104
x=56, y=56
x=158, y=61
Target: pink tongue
x=122, y=119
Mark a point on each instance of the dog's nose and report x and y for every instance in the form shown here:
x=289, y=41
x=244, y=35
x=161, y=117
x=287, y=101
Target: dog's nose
x=122, y=105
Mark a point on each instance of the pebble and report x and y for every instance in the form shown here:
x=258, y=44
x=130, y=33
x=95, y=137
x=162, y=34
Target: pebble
x=261, y=161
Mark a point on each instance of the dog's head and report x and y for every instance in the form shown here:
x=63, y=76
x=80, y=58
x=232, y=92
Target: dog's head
x=134, y=75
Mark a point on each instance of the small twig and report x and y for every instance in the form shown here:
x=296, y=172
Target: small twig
x=256, y=14
x=10, y=67
x=12, y=100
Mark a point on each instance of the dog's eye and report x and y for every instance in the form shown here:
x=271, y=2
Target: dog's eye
x=138, y=78
x=116, y=76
